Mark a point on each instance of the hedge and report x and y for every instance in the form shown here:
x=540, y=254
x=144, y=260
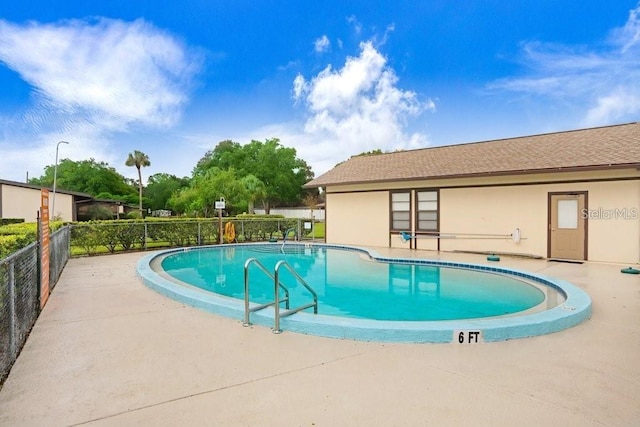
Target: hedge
x=125, y=235
x=18, y=235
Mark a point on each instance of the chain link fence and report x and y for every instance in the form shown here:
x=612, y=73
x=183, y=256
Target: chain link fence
x=59, y=253
x=20, y=293
x=20, y=272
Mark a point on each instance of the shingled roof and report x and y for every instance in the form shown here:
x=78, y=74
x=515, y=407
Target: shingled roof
x=607, y=147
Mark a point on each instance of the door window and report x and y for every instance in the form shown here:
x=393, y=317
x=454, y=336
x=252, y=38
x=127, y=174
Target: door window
x=568, y=214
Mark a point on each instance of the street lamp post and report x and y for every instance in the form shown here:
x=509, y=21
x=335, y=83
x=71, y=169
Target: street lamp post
x=55, y=176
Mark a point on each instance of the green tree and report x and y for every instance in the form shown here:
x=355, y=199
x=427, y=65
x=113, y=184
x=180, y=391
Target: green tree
x=184, y=202
x=227, y=154
x=256, y=190
x=370, y=153
x=200, y=197
x=282, y=172
x=160, y=188
x=87, y=176
x=139, y=160
x=277, y=167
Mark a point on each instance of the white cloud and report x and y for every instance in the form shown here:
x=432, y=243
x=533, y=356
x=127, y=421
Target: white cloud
x=353, y=21
x=130, y=72
x=390, y=28
x=90, y=80
x=322, y=44
x=629, y=35
x=349, y=110
x=299, y=87
x=613, y=105
x=356, y=108
x=601, y=84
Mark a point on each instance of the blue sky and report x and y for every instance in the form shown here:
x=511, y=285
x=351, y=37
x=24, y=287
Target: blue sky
x=331, y=79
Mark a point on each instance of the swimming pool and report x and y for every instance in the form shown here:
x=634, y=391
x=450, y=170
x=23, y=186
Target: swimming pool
x=368, y=297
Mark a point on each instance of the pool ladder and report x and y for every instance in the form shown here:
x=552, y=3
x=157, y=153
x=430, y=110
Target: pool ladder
x=277, y=285
x=286, y=233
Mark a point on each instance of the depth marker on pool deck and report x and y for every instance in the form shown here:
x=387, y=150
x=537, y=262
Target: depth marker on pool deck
x=467, y=337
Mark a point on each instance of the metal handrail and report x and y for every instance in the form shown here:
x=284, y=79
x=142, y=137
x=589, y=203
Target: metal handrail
x=284, y=240
x=314, y=304
x=276, y=299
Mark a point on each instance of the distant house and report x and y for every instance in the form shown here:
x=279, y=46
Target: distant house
x=21, y=200
x=568, y=195
x=161, y=213
x=102, y=209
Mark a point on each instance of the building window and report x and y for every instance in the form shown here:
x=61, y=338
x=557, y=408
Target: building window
x=401, y=211
x=427, y=210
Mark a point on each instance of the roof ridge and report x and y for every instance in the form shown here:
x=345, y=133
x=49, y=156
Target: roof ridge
x=551, y=133
x=512, y=138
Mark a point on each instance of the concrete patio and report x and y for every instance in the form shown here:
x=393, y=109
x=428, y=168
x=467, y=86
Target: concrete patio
x=108, y=351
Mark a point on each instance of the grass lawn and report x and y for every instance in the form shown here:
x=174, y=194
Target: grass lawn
x=317, y=232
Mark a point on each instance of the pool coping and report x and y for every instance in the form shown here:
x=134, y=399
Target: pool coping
x=574, y=310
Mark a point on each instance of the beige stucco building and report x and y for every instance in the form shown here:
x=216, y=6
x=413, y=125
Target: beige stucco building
x=568, y=195
x=22, y=201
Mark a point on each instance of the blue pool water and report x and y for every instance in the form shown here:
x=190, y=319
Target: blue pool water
x=360, y=291
x=351, y=284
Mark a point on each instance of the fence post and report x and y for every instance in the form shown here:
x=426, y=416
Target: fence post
x=38, y=257
x=12, y=312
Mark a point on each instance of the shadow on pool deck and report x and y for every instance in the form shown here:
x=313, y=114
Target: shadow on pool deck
x=107, y=350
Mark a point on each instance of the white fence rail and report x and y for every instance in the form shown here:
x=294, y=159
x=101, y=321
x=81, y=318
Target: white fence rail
x=304, y=213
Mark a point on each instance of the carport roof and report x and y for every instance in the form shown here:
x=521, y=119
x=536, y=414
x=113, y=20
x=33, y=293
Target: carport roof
x=608, y=147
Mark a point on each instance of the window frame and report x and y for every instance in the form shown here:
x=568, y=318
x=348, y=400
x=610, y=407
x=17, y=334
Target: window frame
x=418, y=211
x=392, y=220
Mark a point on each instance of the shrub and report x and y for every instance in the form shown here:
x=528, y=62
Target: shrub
x=12, y=243
x=7, y=221
x=263, y=227
x=86, y=236
x=126, y=235
x=16, y=236
x=174, y=232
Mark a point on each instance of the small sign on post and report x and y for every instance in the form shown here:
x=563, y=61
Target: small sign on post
x=220, y=205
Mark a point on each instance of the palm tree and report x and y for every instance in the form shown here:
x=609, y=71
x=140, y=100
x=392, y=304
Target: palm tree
x=139, y=160
x=255, y=189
